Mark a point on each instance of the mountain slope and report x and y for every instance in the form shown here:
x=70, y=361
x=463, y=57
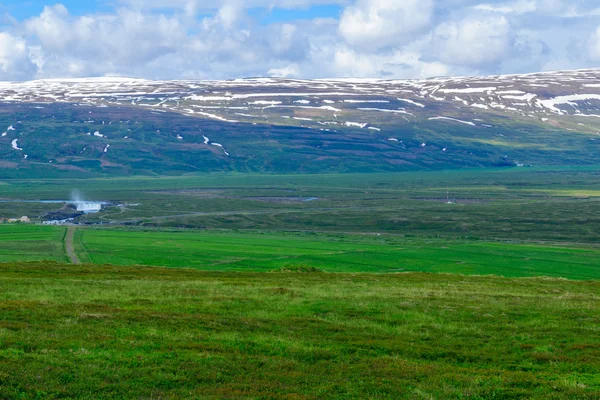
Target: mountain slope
x=127, y=126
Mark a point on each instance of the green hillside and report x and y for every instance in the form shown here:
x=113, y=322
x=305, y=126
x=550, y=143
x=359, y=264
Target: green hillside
x=58, y=141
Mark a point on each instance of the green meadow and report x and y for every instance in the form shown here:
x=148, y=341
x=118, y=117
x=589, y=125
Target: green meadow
x=227, y=251
x=154, y=333
x=31, y=243
x=268, y=251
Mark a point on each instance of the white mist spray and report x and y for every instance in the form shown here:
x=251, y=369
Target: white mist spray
x=76, y=196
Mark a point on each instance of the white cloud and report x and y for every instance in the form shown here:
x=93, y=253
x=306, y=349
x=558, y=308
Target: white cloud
x=193, y=6
x=287, y=42
x=228, y=15
x=126, y=37
x=14, y=58
x=51, y=28
x=594, y=45
x=217, y=39
x=559, y=8
x=132, y=42
x=398, y=65
x=473, y=42
x=372, y=24
x=516, y=7
x=284, y=72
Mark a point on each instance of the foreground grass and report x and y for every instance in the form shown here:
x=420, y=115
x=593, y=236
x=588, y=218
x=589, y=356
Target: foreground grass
x=114, y=332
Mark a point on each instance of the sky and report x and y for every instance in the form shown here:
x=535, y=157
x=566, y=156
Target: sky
x=211, y=39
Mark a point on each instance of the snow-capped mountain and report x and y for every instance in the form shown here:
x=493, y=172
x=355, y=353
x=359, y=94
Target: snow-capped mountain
x=541, y=94
x=439, y=122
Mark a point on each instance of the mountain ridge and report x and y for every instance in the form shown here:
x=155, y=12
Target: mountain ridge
x=122, y=125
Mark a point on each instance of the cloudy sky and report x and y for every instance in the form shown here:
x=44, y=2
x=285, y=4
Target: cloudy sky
x=211, y=39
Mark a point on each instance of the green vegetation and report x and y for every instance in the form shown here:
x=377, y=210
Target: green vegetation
x=558, y=205
x=265, y=252
x=521, y=222
x=108, y=332
x=20, y=242
x=142, y=142
x=306, y=286
x=226, y=251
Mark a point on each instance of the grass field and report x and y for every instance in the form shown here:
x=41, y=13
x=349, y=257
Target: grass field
x=31, y=243
x=265, y=252
x=228, y=251
x=114, y=332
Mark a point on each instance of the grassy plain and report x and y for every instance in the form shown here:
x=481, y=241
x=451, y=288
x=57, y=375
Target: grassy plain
x=518, y=222
x=231, y=251
x=31, y=243
x=537, y=204
x=114, y=332
x=265, y=252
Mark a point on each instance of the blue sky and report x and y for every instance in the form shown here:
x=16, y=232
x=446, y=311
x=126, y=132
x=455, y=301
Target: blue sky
x=218, y=39
x=22, y=10
x=29, y=8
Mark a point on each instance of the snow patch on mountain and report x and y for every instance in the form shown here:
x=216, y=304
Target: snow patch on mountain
x=414, y=103
x=570, y=100
x=356, y=124
x=452, y=119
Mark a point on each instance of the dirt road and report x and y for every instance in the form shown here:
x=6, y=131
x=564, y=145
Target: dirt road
x=69, y=245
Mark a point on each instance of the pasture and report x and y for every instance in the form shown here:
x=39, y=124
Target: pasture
x=138, y=332
x=230, y=251
x=31, y=243
x=269, y=251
